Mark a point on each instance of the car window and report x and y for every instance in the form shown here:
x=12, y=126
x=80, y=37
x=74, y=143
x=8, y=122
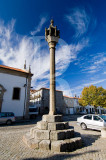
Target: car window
x=3, y=115
x=96, y=118
x=88, y=117
x=103, y=117
x=10, y=114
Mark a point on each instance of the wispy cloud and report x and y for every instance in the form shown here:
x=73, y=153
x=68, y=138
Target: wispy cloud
x=77, y=90
x=15, y=49
x=39, y=27
x=79, y=19
x=65, y=54
x=101, y=61
x=96, y=63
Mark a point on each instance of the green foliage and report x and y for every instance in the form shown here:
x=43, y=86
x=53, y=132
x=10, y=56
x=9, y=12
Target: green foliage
x=92, y=95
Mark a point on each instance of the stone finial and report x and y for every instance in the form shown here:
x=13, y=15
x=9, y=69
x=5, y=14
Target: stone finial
x=29, y=68
x=52, y=22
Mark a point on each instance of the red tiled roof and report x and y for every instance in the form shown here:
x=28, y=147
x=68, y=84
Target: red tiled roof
x=32, y=90
x=72, y=97
x=14, y=69
x=49, y=89
x=44, y=88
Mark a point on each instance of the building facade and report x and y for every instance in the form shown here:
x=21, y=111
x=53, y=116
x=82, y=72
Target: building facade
x=41, y=99
x=98, y=110
x=15, y=91
x=71, y=105
x=64, y=104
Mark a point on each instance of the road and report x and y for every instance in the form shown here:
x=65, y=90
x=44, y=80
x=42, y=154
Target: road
x=13, y=148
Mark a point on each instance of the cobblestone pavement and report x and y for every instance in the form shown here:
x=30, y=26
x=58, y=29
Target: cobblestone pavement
x=13, y=148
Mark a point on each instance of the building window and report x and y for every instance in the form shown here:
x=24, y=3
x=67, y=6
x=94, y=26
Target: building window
x=16, y=93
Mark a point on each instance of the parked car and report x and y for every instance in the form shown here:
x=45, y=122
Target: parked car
x=92, y=121
x=7, y=117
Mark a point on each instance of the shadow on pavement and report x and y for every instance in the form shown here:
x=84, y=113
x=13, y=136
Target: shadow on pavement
x=61, y=156
x=88, y=139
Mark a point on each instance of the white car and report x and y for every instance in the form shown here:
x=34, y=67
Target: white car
x=92, y=121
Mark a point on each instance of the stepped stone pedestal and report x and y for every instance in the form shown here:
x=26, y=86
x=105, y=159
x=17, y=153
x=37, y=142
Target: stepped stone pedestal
x=52, y=134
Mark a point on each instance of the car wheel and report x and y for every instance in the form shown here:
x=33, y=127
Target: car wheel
x=83, y=126
x=9, y=122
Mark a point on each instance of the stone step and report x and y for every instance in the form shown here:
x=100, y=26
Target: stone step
x=62, y=134
x=58, y=126
x=52, y=135
x=45, y=145
x=68, y=145
x=30, y=141
x=32, y=130
x=27, y=137
x=52, y=126
x=41, y=134
x=42, y=125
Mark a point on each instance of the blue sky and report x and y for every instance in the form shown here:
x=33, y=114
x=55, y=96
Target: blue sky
x=80, y=53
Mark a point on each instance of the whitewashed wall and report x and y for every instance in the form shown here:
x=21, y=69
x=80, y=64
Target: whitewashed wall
x=9, y=82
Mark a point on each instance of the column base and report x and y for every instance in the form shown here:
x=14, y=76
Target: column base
x=52, y=118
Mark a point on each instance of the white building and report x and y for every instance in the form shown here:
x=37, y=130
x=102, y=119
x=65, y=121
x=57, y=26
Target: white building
x=98, y=110
x=89, y=109
x=15, y=90
x=92, y=109
x=71, y=105
x=101, y=110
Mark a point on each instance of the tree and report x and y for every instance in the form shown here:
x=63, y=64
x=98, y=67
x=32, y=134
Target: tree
x=92, y=95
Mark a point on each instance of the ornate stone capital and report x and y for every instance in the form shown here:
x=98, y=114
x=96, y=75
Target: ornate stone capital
x=52, y=34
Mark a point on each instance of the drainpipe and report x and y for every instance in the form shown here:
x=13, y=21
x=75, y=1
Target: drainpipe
x=25, y=85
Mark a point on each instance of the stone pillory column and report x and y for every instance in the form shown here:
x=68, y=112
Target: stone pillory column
x=52, y=36
x=52, y=133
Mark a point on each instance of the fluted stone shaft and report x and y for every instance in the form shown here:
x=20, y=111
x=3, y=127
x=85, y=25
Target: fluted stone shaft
x=52, y=110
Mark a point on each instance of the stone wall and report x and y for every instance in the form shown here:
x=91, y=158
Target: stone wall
x=43, y=104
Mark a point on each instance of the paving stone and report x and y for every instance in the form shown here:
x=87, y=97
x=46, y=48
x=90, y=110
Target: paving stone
x=57, y=135
x=33, y=143
x=56, y=126
x=41, y=134
x=66, y=125
x=56, y=146
x=52, y=118
x=69, y=133
x=13, y=148
x=70, y=145
x=45, y=145
x=66, y=145
x=61, y=134
x=62, y=146
x=42, y=125
x=32, y=130
x=27, y=137
x=77, y=141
